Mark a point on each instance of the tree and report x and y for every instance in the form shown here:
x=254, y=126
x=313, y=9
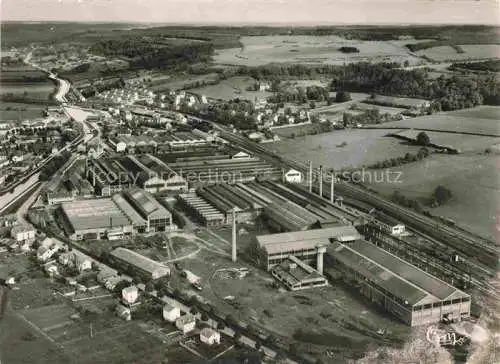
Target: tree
x=149, y=287
x=423, y=138
x=442, y=195
x=423, y=153
x=312, y=105
x=343, y=96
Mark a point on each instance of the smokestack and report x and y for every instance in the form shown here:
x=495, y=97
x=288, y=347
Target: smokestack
x=310, y=176
x=320, y=181
x=234, y=237
x=319, y=259
x=332, y=188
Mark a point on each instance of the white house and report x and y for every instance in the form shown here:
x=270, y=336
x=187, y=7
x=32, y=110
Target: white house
x=47, y=249
x=82, y=262
x=130, y=294
x=22, y=233
x=240, y=155
x=186, y=323
x=171, y=313
x=209, y=336
x=293, y=176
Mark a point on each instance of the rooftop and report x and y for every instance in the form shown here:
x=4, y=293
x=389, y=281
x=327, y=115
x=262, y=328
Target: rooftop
x=93, y=214
x=138, y=260
x=393, y=274
x=295, y=271
x=308, y=239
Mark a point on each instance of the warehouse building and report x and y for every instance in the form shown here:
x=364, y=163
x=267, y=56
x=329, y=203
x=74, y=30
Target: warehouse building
x=138, y=264
x=95, y=219
x=307, y=245
x=296, y=275
x=409, y=293
x=121, y=215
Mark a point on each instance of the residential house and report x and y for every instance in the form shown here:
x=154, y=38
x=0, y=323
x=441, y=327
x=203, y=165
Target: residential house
x=130, y=294
x=123, y=312
x=171, y=313
x=22, y=233
x=186, y=323
x=47, y=249
x=293, y=176
x=209, y=336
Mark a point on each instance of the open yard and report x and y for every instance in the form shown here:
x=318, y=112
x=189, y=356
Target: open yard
x=344, y=148
x=260, y=50
x=483, y=120
x=471, y=52
x=472, y=179
x=234, y=87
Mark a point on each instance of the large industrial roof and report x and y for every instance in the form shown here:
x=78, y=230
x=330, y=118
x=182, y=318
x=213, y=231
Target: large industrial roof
x=146, y=203
x=308, y=239
x=133, y=215
x=94, y=214
x=138, y=260
x=393, y=274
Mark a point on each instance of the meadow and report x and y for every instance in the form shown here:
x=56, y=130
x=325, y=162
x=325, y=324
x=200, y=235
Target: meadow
x=470, y=52
x=482, y=120
x=303, y=49
x=344, y=148
x=234, y=87
x=13, y=111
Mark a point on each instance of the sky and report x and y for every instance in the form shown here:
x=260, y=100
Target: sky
x=310, y=12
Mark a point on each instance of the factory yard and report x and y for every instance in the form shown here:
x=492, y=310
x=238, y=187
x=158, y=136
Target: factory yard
x=482, y=120
x=260, y=50
x=362, y=147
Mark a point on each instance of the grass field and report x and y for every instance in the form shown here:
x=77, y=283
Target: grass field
x=232, y=88
x=260, y=50
x=480, y=120
x=381, y=109
x=13, y=111
x=473, y=180
x=363, y=147
x=471, y=51
x=179, y=82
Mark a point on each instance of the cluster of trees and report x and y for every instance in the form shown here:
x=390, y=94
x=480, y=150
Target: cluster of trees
x=407, y=202
x=395, y=162
x=449, y=93
x=342, y=96
x=48, y=171
x=485, y=66
x=300, y=95
x=145, y=54
x=369, y=116
x=349, y=49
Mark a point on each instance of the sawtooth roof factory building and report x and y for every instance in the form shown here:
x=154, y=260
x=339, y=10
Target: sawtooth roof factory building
x=411, y=294
x=121, y=215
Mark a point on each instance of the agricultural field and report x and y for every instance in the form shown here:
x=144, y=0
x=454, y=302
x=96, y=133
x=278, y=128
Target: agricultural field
x=234, y=87
x=14, y=111
x=464, y=143
x=481, y=120
x=473, y=180
x=261, y=50
x=470, y=52
x=344, y=148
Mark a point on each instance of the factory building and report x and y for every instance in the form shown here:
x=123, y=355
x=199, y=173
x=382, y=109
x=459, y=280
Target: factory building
x=201, y=210
x=151, y=174
x=113, y=218
x=202, y=172
x=94, y=219
x=307, y=245
x=156, y=216
x=296, y=275
x=107, y=176
x=138, y=264
x=409, y=293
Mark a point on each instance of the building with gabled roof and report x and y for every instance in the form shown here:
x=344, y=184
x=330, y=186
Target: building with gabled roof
x=138, y=263
x=411, y=294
